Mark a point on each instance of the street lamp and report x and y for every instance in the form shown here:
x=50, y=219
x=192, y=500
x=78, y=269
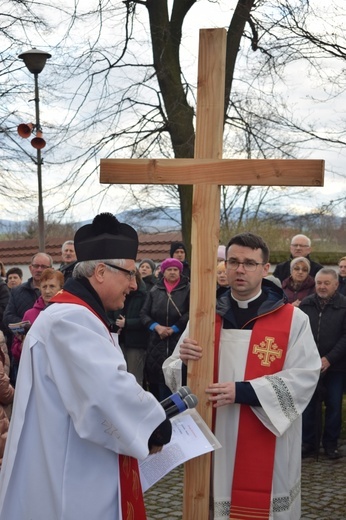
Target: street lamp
x=35, y=62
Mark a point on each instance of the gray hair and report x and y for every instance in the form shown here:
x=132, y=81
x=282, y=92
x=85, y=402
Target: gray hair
x=327, y=270
x=50, y=259
x=67, y=243
x=86, y=269
x=300, y=259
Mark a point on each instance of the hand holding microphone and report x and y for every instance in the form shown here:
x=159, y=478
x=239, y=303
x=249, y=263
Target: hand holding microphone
x=173, y=405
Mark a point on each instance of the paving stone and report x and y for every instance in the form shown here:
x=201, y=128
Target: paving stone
x=323, y=491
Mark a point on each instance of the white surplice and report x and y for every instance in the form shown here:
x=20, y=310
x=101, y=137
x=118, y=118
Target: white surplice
x=283, y=397
x=76, y=408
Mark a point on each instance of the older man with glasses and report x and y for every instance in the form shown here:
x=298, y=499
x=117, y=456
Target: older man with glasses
x=300, y=246
x=80, y=420
x=24, y=296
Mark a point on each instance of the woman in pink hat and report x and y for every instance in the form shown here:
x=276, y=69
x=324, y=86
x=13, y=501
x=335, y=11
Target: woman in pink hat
x=165, y=313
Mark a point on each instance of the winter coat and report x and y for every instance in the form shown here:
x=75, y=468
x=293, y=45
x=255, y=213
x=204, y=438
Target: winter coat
x=29, y=315
x=67, y=269
x=342, y=285
x=328, y=326
x=4, y=297
x=167, y=310
x=186, y=270
x=134, y=334
x=21, y=299
x=149, y=281
x=293, y=294
x=283, y=270
x=6, y=397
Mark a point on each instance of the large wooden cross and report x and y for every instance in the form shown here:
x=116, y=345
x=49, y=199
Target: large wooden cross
x=207, y=172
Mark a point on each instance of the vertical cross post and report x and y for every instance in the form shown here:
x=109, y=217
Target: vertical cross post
x=205, y=240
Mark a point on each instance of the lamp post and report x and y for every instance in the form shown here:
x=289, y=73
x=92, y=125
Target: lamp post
x=35, y=62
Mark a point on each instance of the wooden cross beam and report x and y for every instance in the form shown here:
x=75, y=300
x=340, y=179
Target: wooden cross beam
x=207, y=171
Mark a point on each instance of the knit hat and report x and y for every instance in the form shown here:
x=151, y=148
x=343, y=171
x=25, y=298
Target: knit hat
x=148, y=261
x=300, y=259
x=175, y=246
x=221, y=252
x=171, y=262
x=106, y=238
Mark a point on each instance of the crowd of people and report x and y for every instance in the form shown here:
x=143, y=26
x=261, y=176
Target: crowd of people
x=138, y=317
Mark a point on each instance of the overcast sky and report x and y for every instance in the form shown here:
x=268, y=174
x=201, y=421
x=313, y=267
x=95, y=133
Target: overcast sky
x=302, y=94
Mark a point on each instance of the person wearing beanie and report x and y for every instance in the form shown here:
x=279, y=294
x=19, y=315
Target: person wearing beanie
x=165, y=314
x=147, y=268
x=178, y=251
x=221, y=279
x=79, y=417
x=299, y=284
x=221, y=253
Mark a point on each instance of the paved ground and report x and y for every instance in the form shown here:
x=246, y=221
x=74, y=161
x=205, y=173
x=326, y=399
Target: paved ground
x=323, y=491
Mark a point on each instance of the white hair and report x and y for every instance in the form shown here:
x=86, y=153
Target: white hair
x=302, y=236
x=67, y=243
x=86, y=269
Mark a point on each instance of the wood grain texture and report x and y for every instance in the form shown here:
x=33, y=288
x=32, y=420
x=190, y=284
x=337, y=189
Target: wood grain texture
x=244, y=172
x=205, y=240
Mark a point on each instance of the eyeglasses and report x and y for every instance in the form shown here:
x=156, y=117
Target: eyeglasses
x=299, y=246
x=301, y=269
x=249, y=265
x=130, y=274
x=40, y=266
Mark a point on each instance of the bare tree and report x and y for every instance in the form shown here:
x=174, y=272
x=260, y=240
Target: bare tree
x=124, y=88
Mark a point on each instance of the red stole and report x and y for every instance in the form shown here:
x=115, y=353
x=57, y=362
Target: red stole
x=255, y=452
x=132, y=504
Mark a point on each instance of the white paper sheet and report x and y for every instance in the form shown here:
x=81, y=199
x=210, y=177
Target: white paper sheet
x=191, y=437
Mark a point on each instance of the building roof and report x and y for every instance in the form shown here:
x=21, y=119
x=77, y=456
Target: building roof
x=157, y=245
x=19, y=252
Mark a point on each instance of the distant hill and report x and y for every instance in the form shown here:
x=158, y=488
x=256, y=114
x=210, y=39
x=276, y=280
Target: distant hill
x=9, y=226
x=166, y=218
x=153, y=220
x=156, y=220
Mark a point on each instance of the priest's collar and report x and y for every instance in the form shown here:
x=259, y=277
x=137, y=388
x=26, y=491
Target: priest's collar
x=243, y=304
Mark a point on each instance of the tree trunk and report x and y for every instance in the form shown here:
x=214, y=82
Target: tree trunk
x=166, y=39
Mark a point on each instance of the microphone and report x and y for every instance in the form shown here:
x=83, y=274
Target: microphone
x=175, y=398
x=190, y=401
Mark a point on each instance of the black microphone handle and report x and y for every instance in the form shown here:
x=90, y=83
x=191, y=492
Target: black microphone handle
x=181, y=392
x=190, y=401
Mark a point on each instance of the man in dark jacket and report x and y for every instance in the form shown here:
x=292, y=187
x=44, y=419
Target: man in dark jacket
x=300, y=246
x=24, y=296
x=69, y=259
x=178, y=251
x=327, y=313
